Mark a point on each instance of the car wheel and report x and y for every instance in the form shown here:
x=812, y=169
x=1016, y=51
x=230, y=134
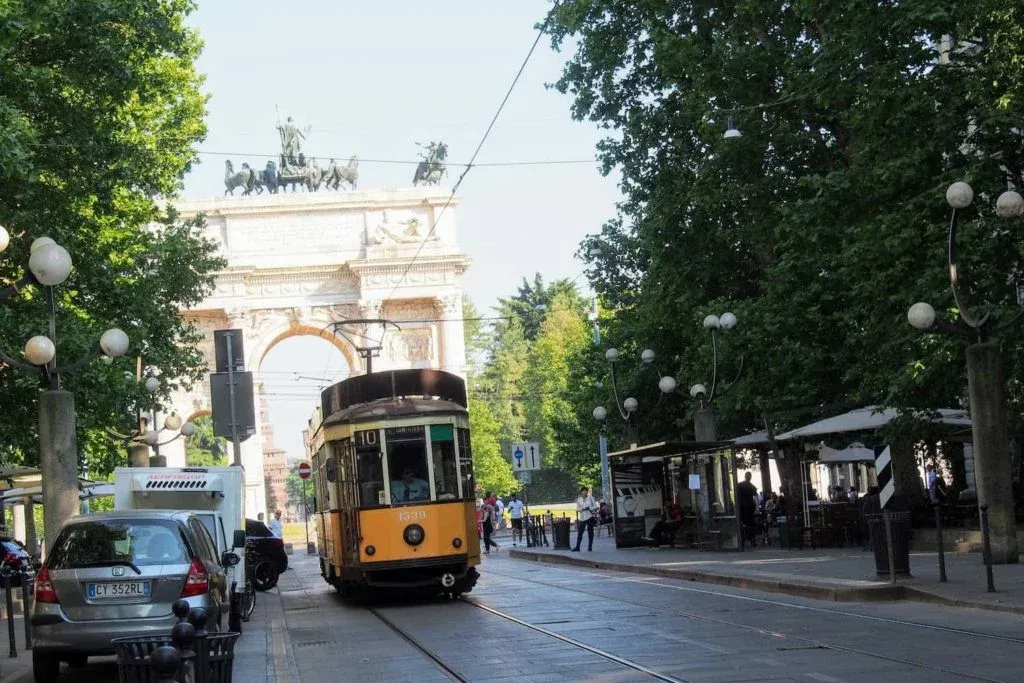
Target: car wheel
x=77, y=661
x=45, y=667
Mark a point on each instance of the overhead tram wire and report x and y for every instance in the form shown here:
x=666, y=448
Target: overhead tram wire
x=472, y=159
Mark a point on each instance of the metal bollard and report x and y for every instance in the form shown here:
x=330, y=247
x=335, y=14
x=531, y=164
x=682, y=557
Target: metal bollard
x=10, y=611
x=987, y=549
x=26, y=606
x=198, y=617
x=887, y=520
x=165, y=662
x=183, y=635
x=939, y=542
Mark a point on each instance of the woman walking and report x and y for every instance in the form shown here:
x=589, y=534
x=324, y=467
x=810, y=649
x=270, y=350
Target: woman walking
x=487, y=523
x=585, y=508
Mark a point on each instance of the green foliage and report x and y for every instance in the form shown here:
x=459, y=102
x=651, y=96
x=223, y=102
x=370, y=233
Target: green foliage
x=203, y=448
x=521, y=386
x=100, y=112
x=293, y=485
x=490, y=466
x=824, y=222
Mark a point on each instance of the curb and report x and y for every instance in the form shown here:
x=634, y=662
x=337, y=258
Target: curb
x=834, y=593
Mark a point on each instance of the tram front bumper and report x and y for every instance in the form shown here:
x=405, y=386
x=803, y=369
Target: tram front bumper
x=415, y=573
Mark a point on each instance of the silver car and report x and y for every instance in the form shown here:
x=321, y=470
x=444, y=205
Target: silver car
x=117, y=574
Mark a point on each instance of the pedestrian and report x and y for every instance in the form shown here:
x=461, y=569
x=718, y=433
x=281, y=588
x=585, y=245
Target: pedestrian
x=515, y=510
x=260, y=517
x=746, y=493
x=499, y=511
x=585, y=508
x=487, y=524
x=275, y=524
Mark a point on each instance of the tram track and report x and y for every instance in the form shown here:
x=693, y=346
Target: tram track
x=812, y=642
x=774, y=603
x=453, y=673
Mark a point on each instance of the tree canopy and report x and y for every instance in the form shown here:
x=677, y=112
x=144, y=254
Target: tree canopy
x=100, y=111
x=825, y=221
x=203, y=448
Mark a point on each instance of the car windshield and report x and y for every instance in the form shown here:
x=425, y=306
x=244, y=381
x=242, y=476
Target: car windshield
x=110, y=542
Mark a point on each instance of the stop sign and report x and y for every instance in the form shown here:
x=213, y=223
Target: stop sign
x=304, y=470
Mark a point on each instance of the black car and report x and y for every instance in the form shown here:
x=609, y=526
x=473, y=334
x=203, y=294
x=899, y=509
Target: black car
x=260, y=539
x=14, y=555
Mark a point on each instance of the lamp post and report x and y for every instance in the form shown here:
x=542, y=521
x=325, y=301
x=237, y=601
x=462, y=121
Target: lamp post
x=148, y=435
x=627, y=410
x=985, y=383
x=49, y=265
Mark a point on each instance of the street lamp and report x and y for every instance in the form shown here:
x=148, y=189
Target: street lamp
x=148, y=435
x=704, y=420
x=49, y=265
x=985, y=382
x=627, y=409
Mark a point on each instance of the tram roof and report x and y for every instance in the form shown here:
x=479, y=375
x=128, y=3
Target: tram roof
x=387, y=408
x=394, y=385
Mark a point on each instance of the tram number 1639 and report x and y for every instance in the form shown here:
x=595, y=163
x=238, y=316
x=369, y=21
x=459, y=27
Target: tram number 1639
x=412, y=515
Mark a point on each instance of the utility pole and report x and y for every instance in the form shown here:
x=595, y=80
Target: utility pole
x=235, y=444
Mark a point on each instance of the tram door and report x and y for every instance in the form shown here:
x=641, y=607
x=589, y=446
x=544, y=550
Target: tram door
x=367, y=488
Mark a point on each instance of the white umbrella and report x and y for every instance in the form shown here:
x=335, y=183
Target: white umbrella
x=865, y=419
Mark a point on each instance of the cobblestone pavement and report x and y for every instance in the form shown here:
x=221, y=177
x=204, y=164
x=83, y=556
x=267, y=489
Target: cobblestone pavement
x=530, y=623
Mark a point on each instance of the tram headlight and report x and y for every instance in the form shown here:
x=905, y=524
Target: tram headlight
x=457, y=542
x=370, y=550
x=413, y=534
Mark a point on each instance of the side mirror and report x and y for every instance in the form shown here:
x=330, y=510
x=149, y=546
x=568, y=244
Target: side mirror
x=229, y=559
x=238, y=540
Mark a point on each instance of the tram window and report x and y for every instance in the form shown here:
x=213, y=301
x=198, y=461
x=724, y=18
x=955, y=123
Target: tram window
x=446, y=468
x=369, y=468
x=466, y=465
x=407, y=464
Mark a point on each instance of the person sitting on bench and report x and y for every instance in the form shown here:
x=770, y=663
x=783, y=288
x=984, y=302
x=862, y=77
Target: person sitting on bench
x=664, y=531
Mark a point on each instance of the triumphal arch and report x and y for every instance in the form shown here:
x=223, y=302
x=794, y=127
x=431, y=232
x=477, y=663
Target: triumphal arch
x=299, y=261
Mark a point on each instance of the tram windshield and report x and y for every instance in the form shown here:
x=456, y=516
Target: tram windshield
x=446, y=467
x=407, y=464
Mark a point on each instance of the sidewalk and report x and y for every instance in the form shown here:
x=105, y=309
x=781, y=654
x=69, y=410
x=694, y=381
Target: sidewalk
x=840, y=574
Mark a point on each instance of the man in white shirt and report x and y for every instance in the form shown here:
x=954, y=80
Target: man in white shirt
x=515, y=510
x=275, y=524
x=585, y=508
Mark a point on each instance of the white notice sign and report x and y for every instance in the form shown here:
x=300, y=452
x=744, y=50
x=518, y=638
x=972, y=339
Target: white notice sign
x=695, y=482
x=525, y=456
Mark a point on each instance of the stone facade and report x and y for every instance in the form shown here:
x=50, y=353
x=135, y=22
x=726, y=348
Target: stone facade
x=298, y=262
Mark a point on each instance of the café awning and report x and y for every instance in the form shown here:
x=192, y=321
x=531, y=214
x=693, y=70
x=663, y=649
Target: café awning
x=872, y=417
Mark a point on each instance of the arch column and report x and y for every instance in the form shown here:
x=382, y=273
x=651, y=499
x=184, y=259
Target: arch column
x=454, y=334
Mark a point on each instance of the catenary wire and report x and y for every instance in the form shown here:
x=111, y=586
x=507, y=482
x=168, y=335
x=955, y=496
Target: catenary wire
x=472, y=159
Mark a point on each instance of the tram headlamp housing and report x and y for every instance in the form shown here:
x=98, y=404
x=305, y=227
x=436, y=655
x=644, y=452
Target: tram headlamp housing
x=457, y=542
x=370, y=550
x=413, y=534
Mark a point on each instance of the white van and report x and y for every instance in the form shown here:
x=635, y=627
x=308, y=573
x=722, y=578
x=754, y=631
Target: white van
x=214, y=494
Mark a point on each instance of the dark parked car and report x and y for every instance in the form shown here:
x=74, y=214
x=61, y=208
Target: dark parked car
x=14, y=555
x=261, y=540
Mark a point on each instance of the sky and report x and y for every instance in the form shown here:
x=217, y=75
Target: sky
x=373, y=79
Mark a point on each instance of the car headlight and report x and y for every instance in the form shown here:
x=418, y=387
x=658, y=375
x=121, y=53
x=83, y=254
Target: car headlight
x=413, y=534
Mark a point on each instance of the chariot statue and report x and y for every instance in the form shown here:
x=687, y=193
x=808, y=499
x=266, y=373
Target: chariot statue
x=432, y=168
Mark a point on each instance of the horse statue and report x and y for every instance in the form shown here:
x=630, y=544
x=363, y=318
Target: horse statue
x=268, y=178
x=432, y=169
x=336, y=175
x=242, y=179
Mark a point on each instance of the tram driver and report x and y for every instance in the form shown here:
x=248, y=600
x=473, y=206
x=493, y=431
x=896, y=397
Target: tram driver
x=409, y=488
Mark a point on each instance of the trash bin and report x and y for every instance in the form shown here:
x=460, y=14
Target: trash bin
x=901, y=531
x=133, y=657
x=215, y=657
x=560, y=533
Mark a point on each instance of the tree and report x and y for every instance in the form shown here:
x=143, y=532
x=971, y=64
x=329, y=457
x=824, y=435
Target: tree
x=492, y=470
x=294, y=485
x=203, y=449
x=826, y=219
x=101, y=111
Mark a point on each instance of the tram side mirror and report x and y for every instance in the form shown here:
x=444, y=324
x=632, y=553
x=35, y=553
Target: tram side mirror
x=238, y=540
x=229, y=559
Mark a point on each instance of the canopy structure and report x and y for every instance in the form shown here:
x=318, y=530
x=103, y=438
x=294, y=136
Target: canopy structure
x=865, y=419
x=855, y=452
x=34, y=489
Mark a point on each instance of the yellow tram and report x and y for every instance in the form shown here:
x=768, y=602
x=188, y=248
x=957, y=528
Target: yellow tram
x=393, y=475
